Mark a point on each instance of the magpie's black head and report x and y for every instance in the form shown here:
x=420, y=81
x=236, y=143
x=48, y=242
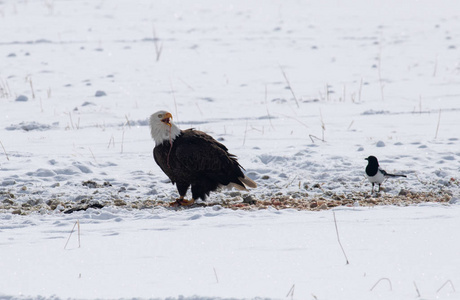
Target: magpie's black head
x=372, y=166
x=372, y=160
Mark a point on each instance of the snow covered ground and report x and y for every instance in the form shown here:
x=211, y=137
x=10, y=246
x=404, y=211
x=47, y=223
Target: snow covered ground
x=79, y=79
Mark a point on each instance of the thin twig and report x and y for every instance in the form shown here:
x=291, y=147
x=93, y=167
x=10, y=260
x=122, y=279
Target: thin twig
x=127, y=121
x=245, y=131
x=32, y=87
x=174, y=98
x=351, y=124
x=287, y=185
x=378, y=281
x=323, y=126
x=111, y=141
x=314, y=136
x=122, y=140
x=215, y=274
x=437, y=127
x=445, y=283
x=380, y=74
x=186, y=84
x=295, y=119
x=92, y=155
x=266, y=106
x=416, y=289
x=71, y=121
x=77, y=223
x=290, y=87
x=291, y=292
x=158, y=46
x=338, y=238
x=420, y=104
x=4, y=151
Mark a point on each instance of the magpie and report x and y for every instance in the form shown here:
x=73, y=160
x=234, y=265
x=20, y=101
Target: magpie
x=375, y=174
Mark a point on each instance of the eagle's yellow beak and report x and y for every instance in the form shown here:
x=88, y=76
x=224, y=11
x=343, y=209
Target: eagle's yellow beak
x=167, y=119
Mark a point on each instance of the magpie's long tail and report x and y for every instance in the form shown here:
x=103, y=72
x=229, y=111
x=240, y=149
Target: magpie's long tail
x=395, y=175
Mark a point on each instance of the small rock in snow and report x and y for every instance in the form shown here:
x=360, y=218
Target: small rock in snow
x=22, y=98
x=100, y=94
x=380, y=144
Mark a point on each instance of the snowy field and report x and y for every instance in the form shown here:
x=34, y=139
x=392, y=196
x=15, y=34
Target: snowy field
x=300, y=91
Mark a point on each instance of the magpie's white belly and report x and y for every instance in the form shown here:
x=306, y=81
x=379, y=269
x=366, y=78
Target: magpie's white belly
x=377, y=178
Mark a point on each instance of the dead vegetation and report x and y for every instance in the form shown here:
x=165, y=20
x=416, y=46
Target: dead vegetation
x=302, y=203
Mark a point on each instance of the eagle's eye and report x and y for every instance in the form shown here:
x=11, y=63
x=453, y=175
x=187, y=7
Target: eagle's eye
x=160, y=116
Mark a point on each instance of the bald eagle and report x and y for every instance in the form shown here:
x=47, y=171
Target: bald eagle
x=193, y=158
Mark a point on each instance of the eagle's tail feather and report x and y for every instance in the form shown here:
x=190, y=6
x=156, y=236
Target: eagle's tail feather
x=248, y=182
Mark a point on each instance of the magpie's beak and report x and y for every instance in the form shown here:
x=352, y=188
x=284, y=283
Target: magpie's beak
x=366, y=158
x=167, y=119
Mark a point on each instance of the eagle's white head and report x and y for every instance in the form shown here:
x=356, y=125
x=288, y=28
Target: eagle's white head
x=162, y=128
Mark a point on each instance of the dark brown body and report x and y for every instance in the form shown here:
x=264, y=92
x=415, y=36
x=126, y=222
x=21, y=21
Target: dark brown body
x=197, y=160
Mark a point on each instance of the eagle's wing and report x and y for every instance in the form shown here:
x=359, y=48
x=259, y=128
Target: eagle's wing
x=200, y=152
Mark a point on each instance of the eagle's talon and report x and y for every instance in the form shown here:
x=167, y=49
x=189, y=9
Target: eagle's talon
x=182, y=202
x=185, y=202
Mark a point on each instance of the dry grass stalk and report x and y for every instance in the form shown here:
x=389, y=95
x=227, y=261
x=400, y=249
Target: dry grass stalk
x=323, y=126
x=378, y=281
x=379, y=69
x=266, y=106
x=338, y=239
x=4, y=151
x=122, y=140
x=416, y=289
x=111, y=141
x=4, y=89
x=92, y=154
x=420, y=104
x=32, y=88
x=77, y=224
x=351, y=124
x=445, y=283
x=158, y=46
x=291, y=292
x=245, y=132
x=437, y=127
x=127, y=121
x=215, y=274
x=290, y=87
x=174, y=98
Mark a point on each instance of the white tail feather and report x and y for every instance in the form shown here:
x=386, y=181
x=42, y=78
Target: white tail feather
x=248, y=182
